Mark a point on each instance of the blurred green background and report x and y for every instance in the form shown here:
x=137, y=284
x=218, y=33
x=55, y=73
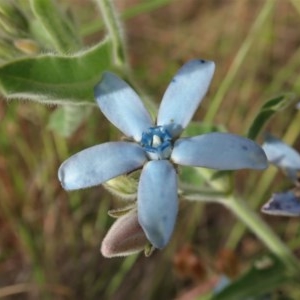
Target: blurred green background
x=50, y=239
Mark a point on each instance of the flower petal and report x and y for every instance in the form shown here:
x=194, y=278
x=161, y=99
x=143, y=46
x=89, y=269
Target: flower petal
x=282, y=155
x=125, y=237
x=122, y=106
x=157, y=201
x=283, y=204
x=100, y=163
x=220, y=151
x=184, y=94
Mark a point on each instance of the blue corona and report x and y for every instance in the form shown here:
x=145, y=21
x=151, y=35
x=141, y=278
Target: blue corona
x=157, y=143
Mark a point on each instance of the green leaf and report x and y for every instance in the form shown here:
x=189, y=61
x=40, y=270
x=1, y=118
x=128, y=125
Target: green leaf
x=265, y=276
x=66, y=119
x=267, y=111
x=57, y=24
x=56, y=79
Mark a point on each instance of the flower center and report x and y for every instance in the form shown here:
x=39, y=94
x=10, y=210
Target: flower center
x=157, y=142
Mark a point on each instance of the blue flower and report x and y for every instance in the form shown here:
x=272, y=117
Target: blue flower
x=287, y=159
x=156, y=146
x=284, y=204
x=282, y=156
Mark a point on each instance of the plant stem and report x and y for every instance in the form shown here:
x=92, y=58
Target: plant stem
x=61, y=31
x=263, y=232
x=261, y=187
x=113, y=27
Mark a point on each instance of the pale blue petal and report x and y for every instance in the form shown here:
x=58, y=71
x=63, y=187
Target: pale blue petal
x=157, y=201
x=222, y=283
x=220, y=151
x=184, y=94
x=122, y=106
x=100, y=163
x=283, y=204
x=282, y=155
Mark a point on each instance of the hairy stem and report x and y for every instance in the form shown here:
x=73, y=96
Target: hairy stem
x=114, y=29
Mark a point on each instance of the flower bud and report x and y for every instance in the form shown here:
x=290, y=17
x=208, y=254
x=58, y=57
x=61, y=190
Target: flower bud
x=125, y=237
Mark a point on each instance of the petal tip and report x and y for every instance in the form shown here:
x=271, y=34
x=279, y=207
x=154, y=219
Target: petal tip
x=157, y=238
x=159, y=230
x=62, y=176
x=209, y=63
x=67, y=179
x=257, y=156
x=283, y=204
x=261, y=161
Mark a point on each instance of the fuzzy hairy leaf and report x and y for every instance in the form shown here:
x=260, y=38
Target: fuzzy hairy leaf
x=56, y=79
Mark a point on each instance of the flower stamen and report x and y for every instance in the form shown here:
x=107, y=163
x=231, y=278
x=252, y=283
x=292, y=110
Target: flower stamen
x=157, y=142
